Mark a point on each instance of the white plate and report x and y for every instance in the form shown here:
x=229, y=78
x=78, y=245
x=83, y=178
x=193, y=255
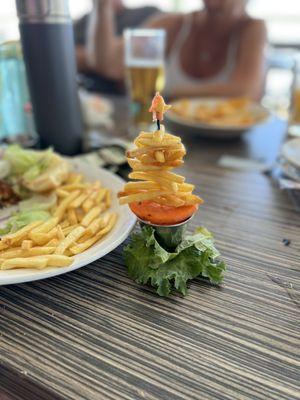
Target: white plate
x=125, y=223
x=289, y=169
x=260, y=113
x=291, y=152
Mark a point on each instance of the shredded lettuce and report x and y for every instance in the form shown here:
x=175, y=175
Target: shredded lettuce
x=148, y=262
x=38, y=202
x=23, y=218
x=27, y=163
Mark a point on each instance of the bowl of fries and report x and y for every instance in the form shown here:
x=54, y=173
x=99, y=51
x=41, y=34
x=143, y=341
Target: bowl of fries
x=224, y=118
x=85, y=223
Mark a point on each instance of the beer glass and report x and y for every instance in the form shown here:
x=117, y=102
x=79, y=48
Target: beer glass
x=144, y=62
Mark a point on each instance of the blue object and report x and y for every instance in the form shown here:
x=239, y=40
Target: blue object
x=15, y=106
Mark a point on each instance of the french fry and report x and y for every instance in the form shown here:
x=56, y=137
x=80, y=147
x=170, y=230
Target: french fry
x=58, y=260
x=17, y=237
x=94, y=227
x=60, y=234
x=150, y=176
x=94, y=187
x=170, y=200
x=138, y=186
x=142, y=196
x=190, y=199
x=145, y=159
x=146, y=150
x=79, y=248
x=46, y=226
x=33, y=251
x=159, y=134
x=101, y=195
x=72, y=217
x=174, y=155
x=30, y=262
x=3, y=245
x=53, y=242
x=91, y=215
x=26, y=244
x=137, y=165
x=43, y=238
x=69, y=229
x=79, y=214
x=65, y=222
x=171, y=177
x=70, y=239
x=108, y=199
x=79, y=200
x=12, y=253
x=150, y=135
x=68, y=253
x=61, y=209
x=186, y=187
x=39, y=251
x=62, y=192
x=94, y=194
x=159, y=156
x=38, y=262
x=153, y=144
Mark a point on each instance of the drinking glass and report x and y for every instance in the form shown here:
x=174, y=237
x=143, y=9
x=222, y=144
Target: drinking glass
x=294, y=117
x=16, y=122
x=144, y=62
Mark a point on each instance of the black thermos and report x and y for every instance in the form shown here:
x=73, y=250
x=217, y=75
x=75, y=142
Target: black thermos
x=48, y=49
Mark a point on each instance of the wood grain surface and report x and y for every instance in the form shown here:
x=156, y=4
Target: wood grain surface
x=94, y=334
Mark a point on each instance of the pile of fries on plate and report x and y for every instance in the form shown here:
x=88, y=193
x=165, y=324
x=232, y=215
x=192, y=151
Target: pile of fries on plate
x=79, y=219
x=155, y=155
x=234, y=112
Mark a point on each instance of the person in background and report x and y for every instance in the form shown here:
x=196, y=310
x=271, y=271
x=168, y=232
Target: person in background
x=216, y=51
x=123, y=18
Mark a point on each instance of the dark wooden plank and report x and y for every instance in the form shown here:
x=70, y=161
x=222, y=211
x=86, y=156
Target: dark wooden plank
x=17, y=386
x=95, y=334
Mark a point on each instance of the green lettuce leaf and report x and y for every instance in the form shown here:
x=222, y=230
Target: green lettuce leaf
x=27, y=163
x=21, y=219
x=196, y=255
x=38, y=202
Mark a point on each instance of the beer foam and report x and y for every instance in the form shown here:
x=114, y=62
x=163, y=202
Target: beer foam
x=142, y=63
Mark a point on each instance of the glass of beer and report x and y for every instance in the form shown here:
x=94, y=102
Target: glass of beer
x=144, y=62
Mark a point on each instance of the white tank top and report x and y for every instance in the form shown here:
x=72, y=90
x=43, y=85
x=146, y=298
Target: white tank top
x=176, y=77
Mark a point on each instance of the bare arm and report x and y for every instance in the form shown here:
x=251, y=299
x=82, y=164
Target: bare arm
x=248, y=76
x=105, y=49
x=81, y=59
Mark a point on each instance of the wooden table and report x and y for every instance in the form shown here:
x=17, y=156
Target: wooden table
x=94, y=334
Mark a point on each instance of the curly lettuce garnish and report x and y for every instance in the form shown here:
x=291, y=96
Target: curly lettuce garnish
x=148, y=262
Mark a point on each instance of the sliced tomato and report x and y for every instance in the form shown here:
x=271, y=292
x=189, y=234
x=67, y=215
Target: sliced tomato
x=160, y=214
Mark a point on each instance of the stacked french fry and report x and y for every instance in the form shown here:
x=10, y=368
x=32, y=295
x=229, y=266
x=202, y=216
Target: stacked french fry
x=156, y=154
x=80, y=219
